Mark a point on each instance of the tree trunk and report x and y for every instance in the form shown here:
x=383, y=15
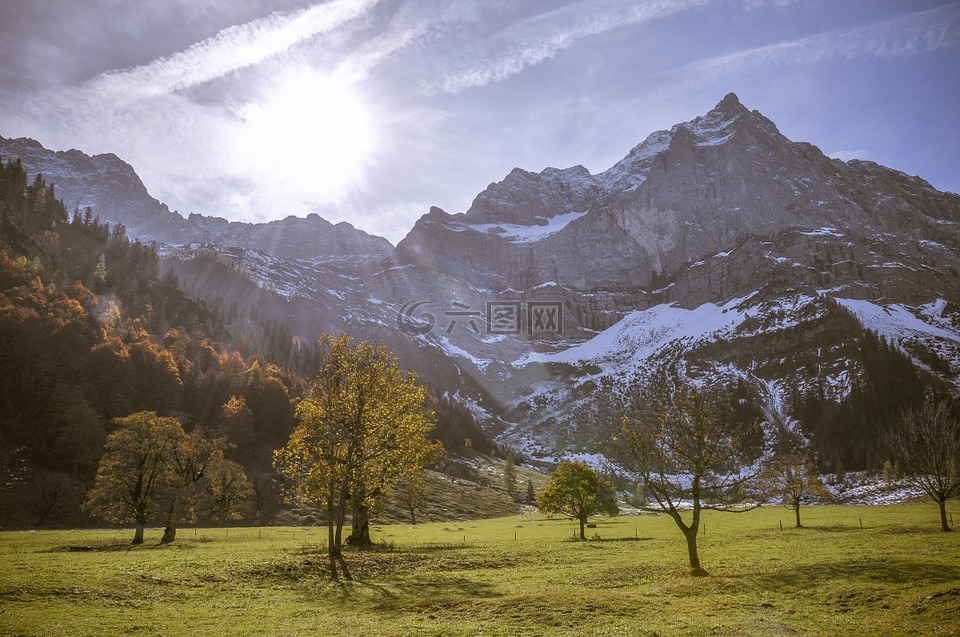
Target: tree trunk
x=138, y=534
x=691, y=534
x=360, y=527
x=583, y=523
x=413, y=515
x=338, y=516
x=943, y=515
x=796, y=510
x=170, y=531
x=332, y=549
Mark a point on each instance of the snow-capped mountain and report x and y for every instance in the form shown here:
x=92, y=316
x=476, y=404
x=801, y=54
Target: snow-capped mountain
x=719, y=247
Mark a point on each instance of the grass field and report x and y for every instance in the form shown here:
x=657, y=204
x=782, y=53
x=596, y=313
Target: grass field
x=510, y=576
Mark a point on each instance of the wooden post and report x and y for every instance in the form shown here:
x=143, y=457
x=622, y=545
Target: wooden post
x=781, y=526
x=861, y=523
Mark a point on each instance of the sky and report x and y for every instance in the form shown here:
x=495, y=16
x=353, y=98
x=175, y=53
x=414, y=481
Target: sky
x=371, y=111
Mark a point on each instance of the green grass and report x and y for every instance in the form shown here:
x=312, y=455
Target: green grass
x=510, y=576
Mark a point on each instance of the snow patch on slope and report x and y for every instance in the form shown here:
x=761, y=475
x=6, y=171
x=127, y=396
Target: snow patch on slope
x=895, y=322
x=642, y=334
x=516, y=233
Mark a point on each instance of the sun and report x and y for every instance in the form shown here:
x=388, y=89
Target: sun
x=307, y=131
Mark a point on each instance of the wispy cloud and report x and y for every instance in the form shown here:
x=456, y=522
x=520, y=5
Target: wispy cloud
x=413, y=21
x=231, y=49
x=896, y=37
x=541, y=37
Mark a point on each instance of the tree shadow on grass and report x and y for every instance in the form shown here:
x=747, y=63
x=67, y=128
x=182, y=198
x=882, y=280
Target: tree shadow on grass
x=118, y=546
x=429, y=592
x=866, y=571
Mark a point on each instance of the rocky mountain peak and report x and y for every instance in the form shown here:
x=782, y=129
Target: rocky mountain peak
x=730, y=103
x=524, y=197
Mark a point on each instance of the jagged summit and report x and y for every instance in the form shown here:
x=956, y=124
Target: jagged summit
x=524, y=196
x=730, y=103
x=701, y=188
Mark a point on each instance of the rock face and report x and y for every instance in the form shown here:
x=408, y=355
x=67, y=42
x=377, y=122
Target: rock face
x=718, y=246
x=680, y=199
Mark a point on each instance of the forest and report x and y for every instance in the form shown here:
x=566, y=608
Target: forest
x=92, y=330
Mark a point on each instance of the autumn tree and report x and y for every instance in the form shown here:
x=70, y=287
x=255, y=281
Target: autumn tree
x=575, y=489
x=926, y=447
x=228, y=489
x=690, y=453
x=137, y=469
x=793, y=479
x=236, y=425
x=363, y=427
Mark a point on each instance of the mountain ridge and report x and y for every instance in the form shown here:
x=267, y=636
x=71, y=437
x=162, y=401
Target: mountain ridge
x=114, y=191
x=720, y=220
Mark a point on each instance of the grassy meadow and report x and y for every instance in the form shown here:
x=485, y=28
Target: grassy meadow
x=510, y=576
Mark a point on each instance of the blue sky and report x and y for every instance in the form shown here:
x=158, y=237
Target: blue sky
x=370, y=111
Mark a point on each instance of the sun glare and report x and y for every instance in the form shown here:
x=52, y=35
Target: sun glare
x=308, y=132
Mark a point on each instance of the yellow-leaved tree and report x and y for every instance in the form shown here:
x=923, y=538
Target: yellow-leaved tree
x=363, y=428
x=138, y=469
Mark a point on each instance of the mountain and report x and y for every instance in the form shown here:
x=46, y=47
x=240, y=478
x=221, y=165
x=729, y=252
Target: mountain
x=718, y=248
x=116, y=194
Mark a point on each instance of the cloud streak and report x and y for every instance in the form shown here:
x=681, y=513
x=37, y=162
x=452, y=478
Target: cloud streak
x=897, y=37
x=231, y=49
x=541, y=37
x=536, y=39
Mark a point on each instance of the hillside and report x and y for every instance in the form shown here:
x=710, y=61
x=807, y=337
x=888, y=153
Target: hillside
x=91, y=330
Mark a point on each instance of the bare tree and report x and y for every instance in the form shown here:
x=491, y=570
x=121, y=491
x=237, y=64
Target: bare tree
x=927, y=448
x=413, y=493
x=690, y=454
